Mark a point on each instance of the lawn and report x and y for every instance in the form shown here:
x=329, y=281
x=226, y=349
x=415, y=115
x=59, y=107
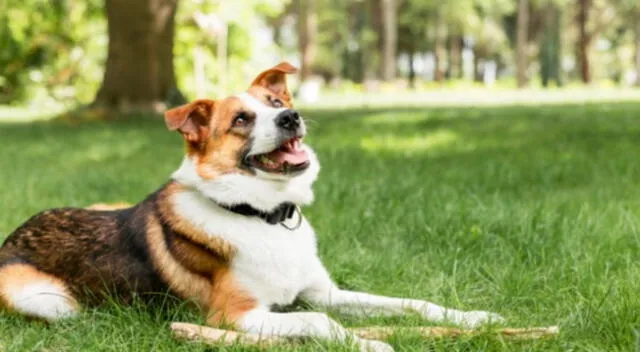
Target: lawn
x=529, y=212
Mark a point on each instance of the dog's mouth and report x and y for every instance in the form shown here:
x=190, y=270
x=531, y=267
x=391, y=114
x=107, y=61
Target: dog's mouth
x=289, y=158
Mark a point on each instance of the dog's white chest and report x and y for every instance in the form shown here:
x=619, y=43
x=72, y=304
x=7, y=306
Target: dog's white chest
x=275, y=265
x=271, y=263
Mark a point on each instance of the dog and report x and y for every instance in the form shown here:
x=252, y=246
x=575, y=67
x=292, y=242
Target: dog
x=226, y=232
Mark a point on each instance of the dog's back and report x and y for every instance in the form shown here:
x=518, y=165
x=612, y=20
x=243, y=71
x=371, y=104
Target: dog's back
x=79, y=253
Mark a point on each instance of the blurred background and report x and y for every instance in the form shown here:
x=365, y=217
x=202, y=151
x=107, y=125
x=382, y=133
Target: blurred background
x=148, y=54
x=482, y=154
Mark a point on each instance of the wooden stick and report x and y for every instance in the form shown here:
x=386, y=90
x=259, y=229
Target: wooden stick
x=193, y=332
x=109, y=206
x=214, y=336
x=384, y=332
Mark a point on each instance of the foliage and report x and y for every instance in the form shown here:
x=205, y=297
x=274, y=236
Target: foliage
x=244, y=19
x=50, y=49
x=55, y=49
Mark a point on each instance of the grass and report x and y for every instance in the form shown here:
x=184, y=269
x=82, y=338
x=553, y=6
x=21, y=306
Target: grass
x=530, y=212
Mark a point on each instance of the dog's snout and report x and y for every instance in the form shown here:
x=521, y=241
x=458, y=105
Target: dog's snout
x=288, y=120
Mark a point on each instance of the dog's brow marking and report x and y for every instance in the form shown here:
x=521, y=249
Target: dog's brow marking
x=257, y=105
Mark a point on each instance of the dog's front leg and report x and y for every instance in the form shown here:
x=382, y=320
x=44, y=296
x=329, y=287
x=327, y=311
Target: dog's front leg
x=319, y=325
x=325, y=293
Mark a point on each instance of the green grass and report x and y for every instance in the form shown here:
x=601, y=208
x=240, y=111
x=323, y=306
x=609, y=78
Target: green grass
x=529, y=212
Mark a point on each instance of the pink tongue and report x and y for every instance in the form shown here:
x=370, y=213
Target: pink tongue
x=292, y=157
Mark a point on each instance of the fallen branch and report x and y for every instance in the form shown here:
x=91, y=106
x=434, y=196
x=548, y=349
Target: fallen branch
x=109, y=206
x=384, y=332
x=193, y=332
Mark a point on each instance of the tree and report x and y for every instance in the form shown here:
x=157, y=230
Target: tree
x=592, y=19
x=630, y=11
x=307, y=33
x=389, y=39
x=412, y=32
x=440, y=51
x=521, y=42
x=139, y=73
x=637, y=40
x=550, y=44
x=584, y=40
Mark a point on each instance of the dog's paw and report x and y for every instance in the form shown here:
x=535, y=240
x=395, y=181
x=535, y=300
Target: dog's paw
x=374, y=346
x=476, y=318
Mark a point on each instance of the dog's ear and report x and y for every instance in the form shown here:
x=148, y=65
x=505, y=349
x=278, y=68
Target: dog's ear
x=191, y=120
x=275, y=80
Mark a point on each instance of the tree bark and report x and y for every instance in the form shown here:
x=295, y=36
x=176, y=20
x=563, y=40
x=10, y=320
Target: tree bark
x=550, y=47
x=390, y=39
x=637, y=38
x=455, y=57
x=584, y=41
x=308, y=28
x=412, y=69
x=477, y=77
x=521, y=43
x=440, y=51
x=139, y=73
x=376, y=22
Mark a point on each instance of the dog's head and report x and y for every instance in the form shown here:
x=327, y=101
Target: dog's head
x=247, y=148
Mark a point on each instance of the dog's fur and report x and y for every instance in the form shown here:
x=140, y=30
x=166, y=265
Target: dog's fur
x=183, y=239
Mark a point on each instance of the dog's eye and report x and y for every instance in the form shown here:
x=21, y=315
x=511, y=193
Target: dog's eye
x=277, y=103
x=241, y=119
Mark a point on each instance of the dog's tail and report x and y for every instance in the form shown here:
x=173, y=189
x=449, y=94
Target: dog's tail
x=26, y=290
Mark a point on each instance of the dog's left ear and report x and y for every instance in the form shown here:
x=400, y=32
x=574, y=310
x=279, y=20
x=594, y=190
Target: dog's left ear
x=275, y=80
x=191, y=120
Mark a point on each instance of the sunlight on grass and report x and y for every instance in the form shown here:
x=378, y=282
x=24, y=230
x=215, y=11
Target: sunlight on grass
x=474, y=97
x=103, y=152
x=411, y=144
x=393, y=118
x=28, y=114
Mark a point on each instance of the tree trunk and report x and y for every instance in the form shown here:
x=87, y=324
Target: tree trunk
x=584, y=41
x=412, y=69
x=477, y=77
x=376, y=22
x=550, y=47
x=455, y=57
x=440, y=51
x=308, y=28
x=139, y=73
x=637, y=35
x=390, y=39
x=521, y=42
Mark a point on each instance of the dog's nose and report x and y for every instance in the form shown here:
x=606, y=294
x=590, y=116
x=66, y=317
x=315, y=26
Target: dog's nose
x=288, y=120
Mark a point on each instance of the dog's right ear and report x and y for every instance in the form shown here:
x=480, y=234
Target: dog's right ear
x=191, y=120
x=275, y=80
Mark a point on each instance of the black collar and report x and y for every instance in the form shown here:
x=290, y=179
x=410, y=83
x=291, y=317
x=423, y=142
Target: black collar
x=281, y=213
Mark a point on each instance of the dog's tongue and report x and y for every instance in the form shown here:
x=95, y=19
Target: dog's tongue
x=290, y=153
x=296, y=157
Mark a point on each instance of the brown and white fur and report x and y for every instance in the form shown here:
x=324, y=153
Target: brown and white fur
x=182, y=241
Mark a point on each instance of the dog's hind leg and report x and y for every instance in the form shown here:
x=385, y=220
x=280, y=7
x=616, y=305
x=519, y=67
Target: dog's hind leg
x=29, y=291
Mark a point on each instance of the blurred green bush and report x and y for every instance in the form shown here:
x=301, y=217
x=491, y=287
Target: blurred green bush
x=54, y=50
